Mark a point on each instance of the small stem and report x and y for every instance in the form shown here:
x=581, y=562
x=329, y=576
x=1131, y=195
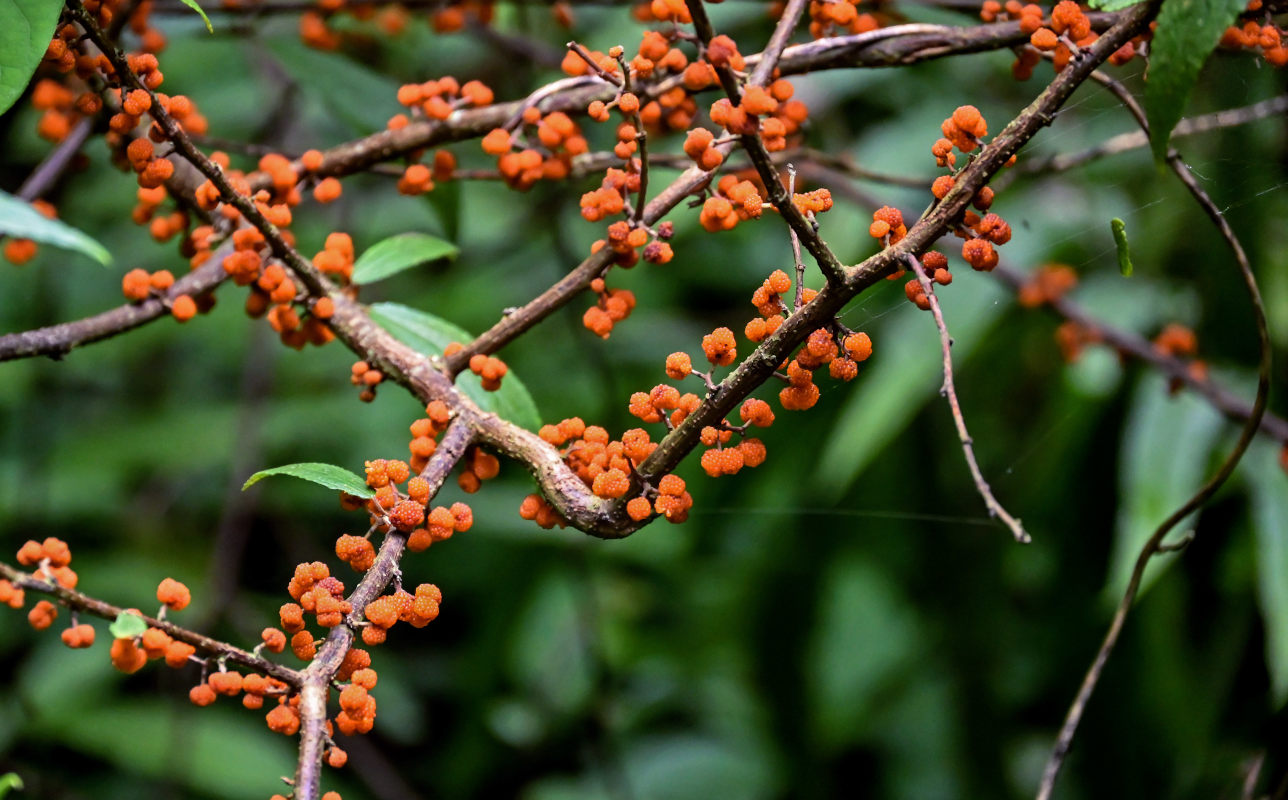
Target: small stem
x=946, y=343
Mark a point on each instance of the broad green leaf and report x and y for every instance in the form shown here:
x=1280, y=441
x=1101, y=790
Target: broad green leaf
x=361, y=98
x=127, y=625
x=1268, y=488
x=187, y=747
x=21, y=220
x=1120, y=242
x=1112, y=5
x=549, y=652
x=397, y=253
x=864, y=635
x=328, y=475
x=26, y=27
x=431, y=335
x=1166, y=443
x=193, y=5
x=1188, y=30
x=9, y=782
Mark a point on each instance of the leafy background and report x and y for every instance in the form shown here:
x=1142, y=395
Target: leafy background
x=843, y=621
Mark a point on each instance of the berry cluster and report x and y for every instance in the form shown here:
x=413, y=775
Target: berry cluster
x=1266, y=37
x=1047, y=284
x=838, y=17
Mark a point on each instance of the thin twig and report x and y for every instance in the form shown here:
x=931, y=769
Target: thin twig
x=1124, y=142
x=949, y=391
x=1122, y=341
x=47, y=173
x=796, y=246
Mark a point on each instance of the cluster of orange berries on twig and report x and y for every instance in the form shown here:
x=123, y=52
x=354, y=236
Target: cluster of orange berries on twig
x=964, y=131
x=838, y=17
x=1268, y=38
x=607, y=466
x=1067, y=33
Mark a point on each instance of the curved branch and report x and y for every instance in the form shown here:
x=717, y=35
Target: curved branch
x=1154, y=545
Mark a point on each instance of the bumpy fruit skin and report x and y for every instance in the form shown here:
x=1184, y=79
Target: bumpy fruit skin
x=173, y=594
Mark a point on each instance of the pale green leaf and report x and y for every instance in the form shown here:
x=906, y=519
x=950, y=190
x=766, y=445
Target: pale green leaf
x=9, y=782
x=431, y=335
x=328, y=475
x=22, y=221
x=127, y=625
x=398, y=253
x=26, y=28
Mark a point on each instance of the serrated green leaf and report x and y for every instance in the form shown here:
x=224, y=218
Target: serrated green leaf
x=127, y=625
x=430, y=334
x=26, y=27
x=397, y=253
x=193, y=5
x=21, y=220
x=1112, y=5
x=328, y=475
x=1188, y=30
x=1120, y=241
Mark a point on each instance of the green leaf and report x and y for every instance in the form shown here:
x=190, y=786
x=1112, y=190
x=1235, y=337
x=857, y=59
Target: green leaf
x=1120, y=241
x=127, y=625
x=20, y=219
x=193, y=5
x=355, y=94
x=9, y=782
x=26, y=26
x=397, y=253
x=1188, y=30
x=328, y=475
x=1112, y=5
x=865, y=636
x=1269, y=493
x=549, y=655
x=430, y=334
x=1166, y=443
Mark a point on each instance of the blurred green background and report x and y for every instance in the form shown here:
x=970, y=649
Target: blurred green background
x=843, y=621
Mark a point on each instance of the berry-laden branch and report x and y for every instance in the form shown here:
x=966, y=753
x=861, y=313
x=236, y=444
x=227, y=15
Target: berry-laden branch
x=751, y=132
x=317, y=677
x=1178, y=370
x=49, y=584
x=57, y=341
x=950, y=392
x=775, y=349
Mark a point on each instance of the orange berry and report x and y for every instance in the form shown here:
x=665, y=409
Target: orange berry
x=183, y=308
x=126, y=656
x=173, y=594
x=202, y=694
